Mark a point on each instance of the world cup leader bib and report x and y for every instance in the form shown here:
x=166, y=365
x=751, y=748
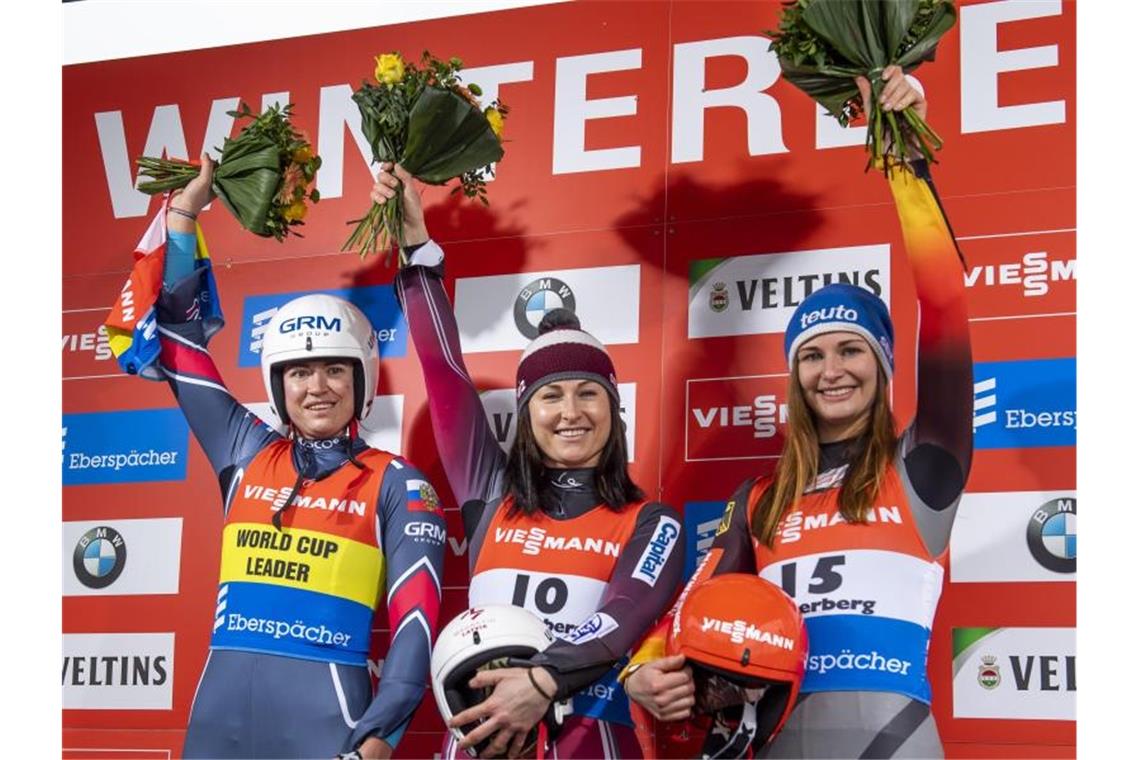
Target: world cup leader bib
x=559, y=570
x=309, y=589
x=867, y=591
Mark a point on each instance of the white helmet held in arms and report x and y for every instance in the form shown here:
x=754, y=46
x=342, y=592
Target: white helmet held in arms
x=320, y=326
x=494, y=636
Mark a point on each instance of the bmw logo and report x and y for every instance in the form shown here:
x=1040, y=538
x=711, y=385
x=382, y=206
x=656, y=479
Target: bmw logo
x=1052, y=535
x=537, y=298
x=99, y=557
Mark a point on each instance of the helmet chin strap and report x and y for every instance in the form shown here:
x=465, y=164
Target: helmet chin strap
x=352, y=432
x=739, y=743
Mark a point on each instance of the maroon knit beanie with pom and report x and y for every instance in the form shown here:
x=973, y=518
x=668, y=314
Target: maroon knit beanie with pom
x=563, y=351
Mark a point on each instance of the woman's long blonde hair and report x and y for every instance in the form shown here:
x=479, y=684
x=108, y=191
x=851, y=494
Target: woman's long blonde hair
x=798, y=465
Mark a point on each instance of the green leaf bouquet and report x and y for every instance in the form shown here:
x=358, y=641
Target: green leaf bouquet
x=823, y=44
x=264, y=175
x=424, y=119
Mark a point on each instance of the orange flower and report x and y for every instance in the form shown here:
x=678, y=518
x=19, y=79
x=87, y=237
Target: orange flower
x=292, y=179
x=303, y=155
x=295, y=211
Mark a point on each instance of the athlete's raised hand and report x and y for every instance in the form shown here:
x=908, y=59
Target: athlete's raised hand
x=388, y=181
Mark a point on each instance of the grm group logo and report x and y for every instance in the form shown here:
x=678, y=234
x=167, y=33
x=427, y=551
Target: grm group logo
x=757, y=294
x=137, y=446
x=378, y=302
x=1025, y=404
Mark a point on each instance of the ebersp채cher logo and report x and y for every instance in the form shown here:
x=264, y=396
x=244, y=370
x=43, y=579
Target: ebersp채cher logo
x=1024, y=404
x=124, y=447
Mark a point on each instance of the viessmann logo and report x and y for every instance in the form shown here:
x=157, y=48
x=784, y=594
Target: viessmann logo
x=124, y=447
x=1022, y=404
x=731, y=418
x=536, y=540
x=378, y=302
x=756, y=294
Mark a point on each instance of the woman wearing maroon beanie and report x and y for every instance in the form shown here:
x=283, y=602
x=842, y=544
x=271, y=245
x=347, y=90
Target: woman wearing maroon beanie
x=555, y=526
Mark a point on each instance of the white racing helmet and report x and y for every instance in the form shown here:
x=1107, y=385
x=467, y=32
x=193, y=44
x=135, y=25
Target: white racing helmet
x=494, y=636
x=320, y=326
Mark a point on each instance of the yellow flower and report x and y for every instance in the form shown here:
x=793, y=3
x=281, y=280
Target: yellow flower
x=389, y=68
x=302, y=155
x=496, y=120
x=296, y=211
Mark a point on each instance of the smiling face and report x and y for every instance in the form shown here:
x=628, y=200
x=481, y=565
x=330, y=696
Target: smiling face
x=319, y=396
x=571, y=422
x=838, y=373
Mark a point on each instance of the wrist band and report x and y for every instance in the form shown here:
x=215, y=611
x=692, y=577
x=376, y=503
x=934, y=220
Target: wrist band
x=180, y=212
x=534, y=683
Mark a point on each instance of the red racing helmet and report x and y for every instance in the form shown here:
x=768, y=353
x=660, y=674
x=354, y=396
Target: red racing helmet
x=747, y=645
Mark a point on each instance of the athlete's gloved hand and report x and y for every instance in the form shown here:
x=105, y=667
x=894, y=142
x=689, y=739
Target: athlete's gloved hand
x=388, y=179
x=512, y=710
x=664, y=687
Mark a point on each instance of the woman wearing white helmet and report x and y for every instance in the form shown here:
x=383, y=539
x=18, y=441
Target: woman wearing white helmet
x=319, y=528
x=557, y=527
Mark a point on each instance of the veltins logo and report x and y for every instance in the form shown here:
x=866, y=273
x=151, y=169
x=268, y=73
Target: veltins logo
x=502, y=312
x=539, y=297
x=1012, y=537
x=124, y=447
x=118, y=671
x=381, y=429
x=749, y=295
x=121, y=557
x=1015, y=673
x=499, y=405
x=729, y=418
x=702, y=519
x=378, y=302
x=1023, y=404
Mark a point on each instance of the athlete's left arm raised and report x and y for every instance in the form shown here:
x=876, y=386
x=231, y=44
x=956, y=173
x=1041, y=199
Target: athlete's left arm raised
x=413, y=534
x=644, y=583
x=938, y=446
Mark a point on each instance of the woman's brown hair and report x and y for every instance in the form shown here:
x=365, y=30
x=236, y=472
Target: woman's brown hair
x=798, y=465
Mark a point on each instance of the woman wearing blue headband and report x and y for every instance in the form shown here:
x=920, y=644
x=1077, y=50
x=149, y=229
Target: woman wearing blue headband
x=853, y=520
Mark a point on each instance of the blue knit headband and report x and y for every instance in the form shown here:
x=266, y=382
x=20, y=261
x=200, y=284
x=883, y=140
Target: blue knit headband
x=843, y=308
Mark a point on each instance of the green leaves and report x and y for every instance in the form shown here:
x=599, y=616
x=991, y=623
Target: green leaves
x=822, y=45
x=251, y=172
x=431, y=124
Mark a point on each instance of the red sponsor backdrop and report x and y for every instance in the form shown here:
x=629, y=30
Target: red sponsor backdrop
x=660, y=181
